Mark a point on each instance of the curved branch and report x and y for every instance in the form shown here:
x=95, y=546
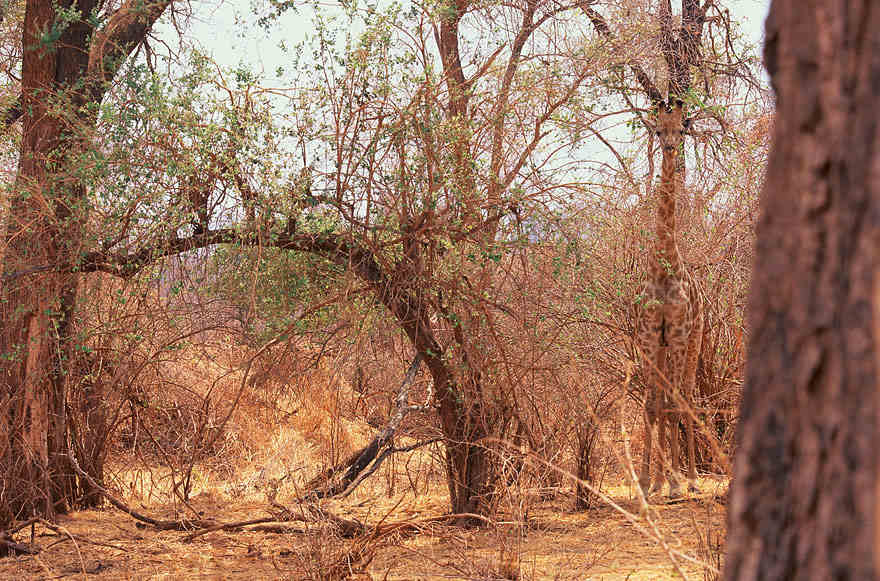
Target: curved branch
x=409, y=311
x=126, y=28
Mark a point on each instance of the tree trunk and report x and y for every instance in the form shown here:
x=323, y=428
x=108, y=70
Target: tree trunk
x=804, y=498
x=468, y=469
x=586, y=441
x=42, y=231
x=63, y=80
x=462, y=417
x=89, y=424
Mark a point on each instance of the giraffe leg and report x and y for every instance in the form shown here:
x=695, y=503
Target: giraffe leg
x=695, y=343
x=659, y=407
x=678, y=334
x=645, y=474
x=660, y=465
x=674, y=452
x=655, y=429
x=692, y=464
x=675, y=414
x=651, y=351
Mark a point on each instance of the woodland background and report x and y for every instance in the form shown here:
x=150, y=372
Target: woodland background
x=215, y=281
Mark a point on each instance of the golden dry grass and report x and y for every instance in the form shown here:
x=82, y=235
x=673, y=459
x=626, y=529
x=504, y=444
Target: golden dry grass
x=554, y=543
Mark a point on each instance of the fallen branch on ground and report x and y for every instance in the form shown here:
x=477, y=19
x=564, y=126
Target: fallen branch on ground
x=9, y=548
x=13, y=548
x=160, y=524
x=347, y=528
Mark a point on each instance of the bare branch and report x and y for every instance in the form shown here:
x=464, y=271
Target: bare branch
x=642, y=77
x=358, y=462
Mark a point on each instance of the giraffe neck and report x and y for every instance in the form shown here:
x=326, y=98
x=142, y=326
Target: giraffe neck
x=667, y=261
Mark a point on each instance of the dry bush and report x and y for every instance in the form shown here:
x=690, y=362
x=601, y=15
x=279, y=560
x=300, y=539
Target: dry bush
x=710, y=547
x=160, y=381
x=501, y=561
x=323, y=555
x=554, y=361
x=153, y=359
x=571, y=315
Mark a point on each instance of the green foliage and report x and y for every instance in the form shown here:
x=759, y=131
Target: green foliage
x=268, y=286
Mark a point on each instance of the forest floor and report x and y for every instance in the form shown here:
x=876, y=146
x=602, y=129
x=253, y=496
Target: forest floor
x=549, y=541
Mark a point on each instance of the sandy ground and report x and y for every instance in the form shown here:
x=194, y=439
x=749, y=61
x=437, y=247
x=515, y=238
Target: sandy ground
x=545, y=541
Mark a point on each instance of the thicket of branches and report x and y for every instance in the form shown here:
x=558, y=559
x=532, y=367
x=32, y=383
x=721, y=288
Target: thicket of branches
x=467, y=185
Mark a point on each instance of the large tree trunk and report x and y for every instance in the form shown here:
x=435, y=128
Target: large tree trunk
x=587, y=435
x=468, y=469
x=463, y=418
x=63, y=80
x=43, y=230
x=804, y=498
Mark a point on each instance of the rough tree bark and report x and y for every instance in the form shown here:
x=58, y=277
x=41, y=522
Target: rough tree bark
x=67, y=65
x=804, y=497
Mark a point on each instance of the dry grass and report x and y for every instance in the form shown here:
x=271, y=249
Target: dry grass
x=554, y=543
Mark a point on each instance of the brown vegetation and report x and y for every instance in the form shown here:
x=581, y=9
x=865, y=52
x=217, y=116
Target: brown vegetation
x=379, y=323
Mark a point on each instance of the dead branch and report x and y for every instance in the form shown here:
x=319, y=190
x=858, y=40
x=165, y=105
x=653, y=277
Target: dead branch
x=231, y=526
x=160, y=524
x=347, y=528
x=366, y=461
x=381, y=458
x=10, y=548
x=68, y=536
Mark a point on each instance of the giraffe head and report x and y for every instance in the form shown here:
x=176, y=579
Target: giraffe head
x=671, y=124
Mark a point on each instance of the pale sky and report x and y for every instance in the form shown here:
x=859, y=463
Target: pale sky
x=217, y=28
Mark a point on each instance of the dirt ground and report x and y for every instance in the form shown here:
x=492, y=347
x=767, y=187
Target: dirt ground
x=546, y=541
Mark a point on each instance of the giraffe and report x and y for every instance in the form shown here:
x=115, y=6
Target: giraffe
x=669, y=331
